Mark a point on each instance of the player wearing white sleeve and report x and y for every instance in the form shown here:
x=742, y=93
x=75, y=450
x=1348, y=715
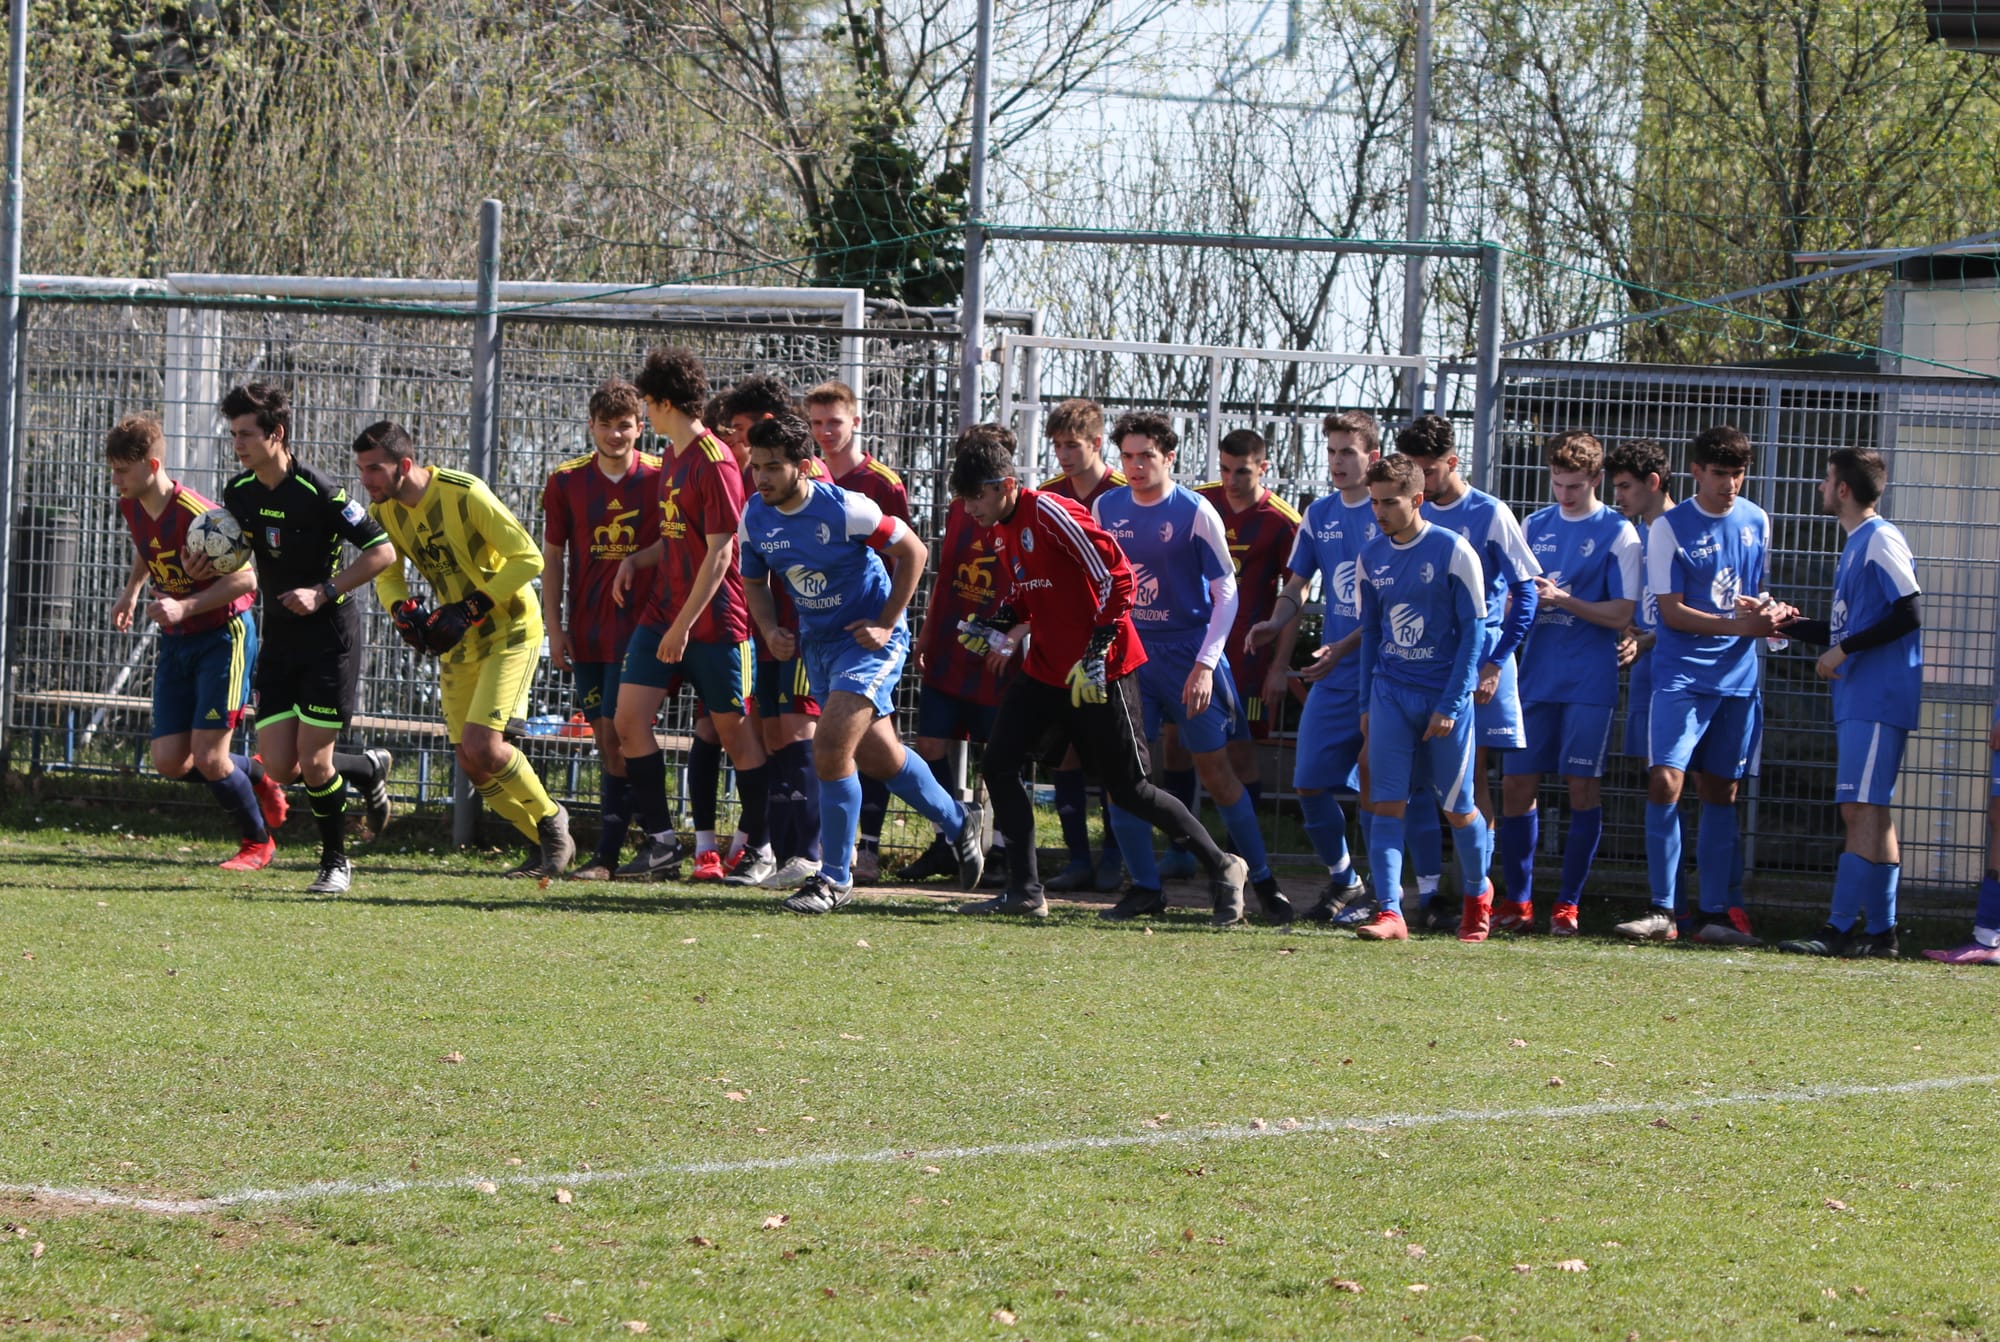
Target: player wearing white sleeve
x=1875, y=668
x=1589, y=556
x=1184, y=603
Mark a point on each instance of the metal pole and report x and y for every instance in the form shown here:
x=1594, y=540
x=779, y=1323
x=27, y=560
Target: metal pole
x=972, y=306
x=484, y=436
x=1417, y=222
x=1486, y=369
x=11, y=319
x=1212, y=446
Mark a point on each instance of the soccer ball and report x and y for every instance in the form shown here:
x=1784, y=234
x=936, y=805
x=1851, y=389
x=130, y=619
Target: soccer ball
x=216, y=534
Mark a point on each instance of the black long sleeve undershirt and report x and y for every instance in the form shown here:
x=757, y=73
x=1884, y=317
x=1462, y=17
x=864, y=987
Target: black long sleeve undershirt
x=1903, y=618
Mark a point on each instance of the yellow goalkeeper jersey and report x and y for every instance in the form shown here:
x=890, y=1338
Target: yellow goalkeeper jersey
x=463, y=540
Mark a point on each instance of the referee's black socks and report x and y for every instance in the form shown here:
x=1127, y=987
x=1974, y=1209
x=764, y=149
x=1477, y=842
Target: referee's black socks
x=329, y=811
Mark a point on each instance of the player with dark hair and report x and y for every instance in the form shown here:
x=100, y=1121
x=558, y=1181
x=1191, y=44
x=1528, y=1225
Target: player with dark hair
x=1074, y=587
x=310, y=663
x=1329, y=756
x=1260, y=528
x=834, y=412
x=1874, y=664
x=1184, y=605
x=1705, y=563
x=960, y=694
x=1423, y=633
x=597, y=509
x=1588, y=590
x=484, y=626
x=1510, y=571
x=207, y=643
x=782, y=709
x=695, y=630
x=827, y=543
x=1075, y=431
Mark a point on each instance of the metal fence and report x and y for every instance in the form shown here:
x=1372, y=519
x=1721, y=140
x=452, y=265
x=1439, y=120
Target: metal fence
x=78, y=690
x=1941, y=438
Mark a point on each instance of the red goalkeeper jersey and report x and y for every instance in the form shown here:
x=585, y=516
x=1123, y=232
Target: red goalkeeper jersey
x=1069, y=580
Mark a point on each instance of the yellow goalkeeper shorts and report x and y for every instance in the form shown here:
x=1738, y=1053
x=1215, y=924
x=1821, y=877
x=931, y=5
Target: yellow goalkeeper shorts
x=487, y=692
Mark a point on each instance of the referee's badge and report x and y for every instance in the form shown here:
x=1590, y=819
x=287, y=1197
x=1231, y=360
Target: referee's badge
x=271, y=538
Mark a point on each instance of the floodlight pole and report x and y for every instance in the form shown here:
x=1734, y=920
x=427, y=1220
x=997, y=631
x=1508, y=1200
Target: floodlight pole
x=10, y=320
x=484, y=445
x=972, y=304
x=1417, y=221
x=1486, y=368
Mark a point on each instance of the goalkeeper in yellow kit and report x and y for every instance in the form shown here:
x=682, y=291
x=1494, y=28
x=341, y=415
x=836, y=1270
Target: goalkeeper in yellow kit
x=486, y=628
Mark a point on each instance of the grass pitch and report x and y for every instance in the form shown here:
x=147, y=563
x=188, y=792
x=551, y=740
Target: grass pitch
x=700, y=1115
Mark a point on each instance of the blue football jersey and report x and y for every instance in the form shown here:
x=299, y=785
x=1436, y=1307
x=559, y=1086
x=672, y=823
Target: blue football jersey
x=1423, y=613
x=1488, y=525
x=1329, y=545
x=1707, y=562
x=1567, y=659
x=826, y=552
x=1882, y=684
x=1177, y=547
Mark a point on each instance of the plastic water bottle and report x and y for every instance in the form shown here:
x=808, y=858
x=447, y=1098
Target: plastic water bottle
x=1764, y=602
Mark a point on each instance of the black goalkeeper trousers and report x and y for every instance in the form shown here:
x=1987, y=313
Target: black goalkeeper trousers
x=1036, y=721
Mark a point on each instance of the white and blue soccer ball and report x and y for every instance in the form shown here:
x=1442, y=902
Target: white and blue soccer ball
x=216, y=535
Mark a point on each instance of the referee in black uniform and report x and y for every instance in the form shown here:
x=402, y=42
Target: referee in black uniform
x=310, y=661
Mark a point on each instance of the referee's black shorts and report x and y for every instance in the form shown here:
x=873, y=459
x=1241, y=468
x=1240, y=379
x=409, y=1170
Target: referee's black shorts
x=310, y=669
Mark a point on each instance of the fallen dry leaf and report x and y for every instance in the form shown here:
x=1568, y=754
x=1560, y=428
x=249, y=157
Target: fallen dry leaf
x=453, y=1057
x=39, y=1249
x=1517, y=1043
x=515, y=1161
x=1416, y=1250
x=1830, y=1293
x=1416, y=1288
x=701, y=1241
x=29, y=955
x=564, y=1196
x=1572, y=1265
x=1343, y=1284
x=854, y=1037
x=636, y=1325
x=773, y=1222
x=1835, y=1205
x=735, y=1095
x=1258, y=1125
x=863, y=945
x=1524, y=1268
x=553, y=1317
x=1858, y=1290
x=486, y=1186
x=932, y=1169
x=1004, y=1317
x=1289, y=1124
x=687, y=941
x=1555, y=1081
x=1288, y=950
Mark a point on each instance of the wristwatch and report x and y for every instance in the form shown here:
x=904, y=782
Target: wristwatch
x=330, y=592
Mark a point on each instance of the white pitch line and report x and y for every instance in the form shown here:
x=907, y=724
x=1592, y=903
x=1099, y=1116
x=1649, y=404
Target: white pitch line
x=1048, y=1146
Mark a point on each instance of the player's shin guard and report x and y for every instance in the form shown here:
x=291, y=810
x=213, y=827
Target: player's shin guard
x=523, y=786
x=1663, y=853
x=238, y=798
x=753, y=792
x=1385, y=858
x=918, y=786
x=1880, y=899
x=615, y=807
x=646, y=781
x=874, y=809
x=1180, y=784
x=1586, y=828
x=1240, y=819
x=1850, y=891
x=329, y=811
x=704, y=775
x=1519, y=835
x=1135, y=843
x=946, y=774
x=1715, y=855
x=1326, y=827
x=1072, y=809
x=1423, y=839
x=1473, y=847
x=839, y=819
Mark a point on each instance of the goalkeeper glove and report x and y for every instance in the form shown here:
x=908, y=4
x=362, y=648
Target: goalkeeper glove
x=410, y=616
x=980, y=637
x=448, y=624
x=1087, y=678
